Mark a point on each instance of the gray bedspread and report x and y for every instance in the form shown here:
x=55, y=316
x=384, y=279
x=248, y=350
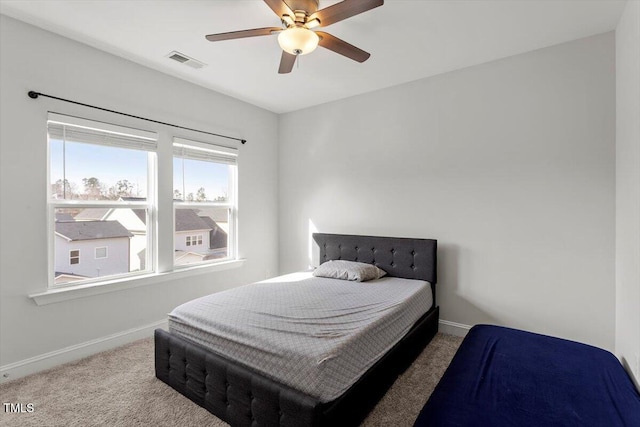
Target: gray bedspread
x=314, y=334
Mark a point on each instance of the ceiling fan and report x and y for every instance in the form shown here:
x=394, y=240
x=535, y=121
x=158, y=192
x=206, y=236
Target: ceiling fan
x=296, y=36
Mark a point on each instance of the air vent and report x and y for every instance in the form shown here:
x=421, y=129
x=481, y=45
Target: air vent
x=178, y=57
x=184, y=59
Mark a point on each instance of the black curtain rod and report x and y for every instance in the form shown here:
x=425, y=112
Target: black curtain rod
x=34, y=95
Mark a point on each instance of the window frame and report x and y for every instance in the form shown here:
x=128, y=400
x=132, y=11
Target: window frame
x=149, y=205
x=157, y=265
x=231, y=204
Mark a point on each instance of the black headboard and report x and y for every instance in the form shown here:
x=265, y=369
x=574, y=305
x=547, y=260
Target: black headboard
x=399, y=257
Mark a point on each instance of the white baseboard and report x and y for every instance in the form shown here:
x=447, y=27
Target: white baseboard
x=54, y=358
x=453, y=328
x=69, y=354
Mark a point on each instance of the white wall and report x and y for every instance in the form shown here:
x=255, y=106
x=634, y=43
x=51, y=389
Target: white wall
x=33, y=59
x=509, y=164
x=628, y=188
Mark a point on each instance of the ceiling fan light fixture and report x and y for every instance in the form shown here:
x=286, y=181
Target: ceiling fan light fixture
x=287, y=20
x=298, y=41
x=315, y=22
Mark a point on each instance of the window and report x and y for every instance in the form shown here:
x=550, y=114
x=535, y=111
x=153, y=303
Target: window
x=100, y=182
x=204, y=177
x=102, y=202
x=194, y=240
x=101, y=252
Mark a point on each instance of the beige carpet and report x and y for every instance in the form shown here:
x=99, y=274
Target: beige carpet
x=97, y=392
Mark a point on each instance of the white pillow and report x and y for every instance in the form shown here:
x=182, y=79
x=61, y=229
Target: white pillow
x=349, y=270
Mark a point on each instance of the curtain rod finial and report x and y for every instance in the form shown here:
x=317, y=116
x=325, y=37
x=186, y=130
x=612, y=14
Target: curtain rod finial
x=33, y=94
x=244, y=141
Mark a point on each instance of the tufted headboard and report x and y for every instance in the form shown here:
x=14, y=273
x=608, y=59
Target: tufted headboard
x=399, y=257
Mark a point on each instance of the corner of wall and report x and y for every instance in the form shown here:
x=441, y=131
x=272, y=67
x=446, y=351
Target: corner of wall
x=627, y=310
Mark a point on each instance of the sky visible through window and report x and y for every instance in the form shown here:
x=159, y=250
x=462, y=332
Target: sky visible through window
x=111, y=164
x=213, y=177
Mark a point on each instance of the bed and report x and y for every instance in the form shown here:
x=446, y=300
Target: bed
x=242, y=394
x=507, y=377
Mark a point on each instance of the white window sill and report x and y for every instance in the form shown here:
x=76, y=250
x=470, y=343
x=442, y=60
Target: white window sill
x=52, y=296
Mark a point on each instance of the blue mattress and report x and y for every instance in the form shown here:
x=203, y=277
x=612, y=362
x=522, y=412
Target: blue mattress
x=506, y=377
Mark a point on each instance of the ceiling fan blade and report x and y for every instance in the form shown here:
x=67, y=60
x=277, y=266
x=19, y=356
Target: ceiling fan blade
x=342, y=47
x=343, y=10
x=279, y=7
x=286, y=63
x=242, y=34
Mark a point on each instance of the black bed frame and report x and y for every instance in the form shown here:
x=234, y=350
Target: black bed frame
x=243, y=397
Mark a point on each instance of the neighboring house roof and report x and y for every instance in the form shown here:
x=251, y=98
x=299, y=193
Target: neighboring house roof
x=188, y=219
x=91, y=230
x=181, y=255
x=178, y=255
x=217, y=214
x=64, y=217
x=59, y=273
x=141, y=214
x=95, y=214
x=210, y=222
x=67, y=278
x=217, y=236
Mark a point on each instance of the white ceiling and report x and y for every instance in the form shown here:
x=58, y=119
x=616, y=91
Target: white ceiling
x=407, y=39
